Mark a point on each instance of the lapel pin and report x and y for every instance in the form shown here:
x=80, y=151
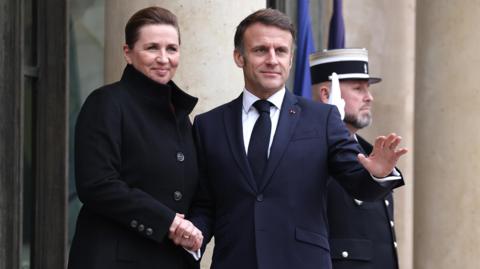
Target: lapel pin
x=292, y=111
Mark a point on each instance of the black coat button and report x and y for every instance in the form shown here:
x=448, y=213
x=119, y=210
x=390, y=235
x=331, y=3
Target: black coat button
x=177, y=196
x=141, y=227
x=260, y=197
x=149, y=231
x=180, y=156
x=134, y=224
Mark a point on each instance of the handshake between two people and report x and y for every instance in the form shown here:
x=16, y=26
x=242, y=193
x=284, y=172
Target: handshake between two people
x=183, y=233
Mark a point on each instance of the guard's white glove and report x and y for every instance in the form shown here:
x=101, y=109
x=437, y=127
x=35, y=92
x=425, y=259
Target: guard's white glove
x=335, y=97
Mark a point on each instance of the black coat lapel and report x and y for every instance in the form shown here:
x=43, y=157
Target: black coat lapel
x=289, y=115
x=367, y=147
x=234, y=130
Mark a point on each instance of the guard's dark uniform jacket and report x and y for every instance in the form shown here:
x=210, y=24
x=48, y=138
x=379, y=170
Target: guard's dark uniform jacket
x=361, y=234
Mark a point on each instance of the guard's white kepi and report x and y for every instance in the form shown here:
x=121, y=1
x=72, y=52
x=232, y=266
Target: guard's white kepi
x=351, y=63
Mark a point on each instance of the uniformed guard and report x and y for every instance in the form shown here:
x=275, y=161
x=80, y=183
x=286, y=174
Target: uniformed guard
x=361, y=234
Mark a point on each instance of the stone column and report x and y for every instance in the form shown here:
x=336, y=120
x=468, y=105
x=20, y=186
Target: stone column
x=387, y=30
x=447, y=159
x=207, y=69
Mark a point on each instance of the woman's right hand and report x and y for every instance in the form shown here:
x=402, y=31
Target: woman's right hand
x=184, y=233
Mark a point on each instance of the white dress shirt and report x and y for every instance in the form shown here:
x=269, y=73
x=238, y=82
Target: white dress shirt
x=250, y=115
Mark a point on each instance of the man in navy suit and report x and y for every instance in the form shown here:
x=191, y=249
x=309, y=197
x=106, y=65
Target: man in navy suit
x=265, y=204
x=361, y=234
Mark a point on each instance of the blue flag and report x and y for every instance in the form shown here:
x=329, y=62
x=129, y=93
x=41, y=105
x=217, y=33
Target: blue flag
x=305, y=46
x=336, y=35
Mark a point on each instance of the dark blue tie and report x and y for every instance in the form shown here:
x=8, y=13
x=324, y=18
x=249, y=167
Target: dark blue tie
x=259, y=140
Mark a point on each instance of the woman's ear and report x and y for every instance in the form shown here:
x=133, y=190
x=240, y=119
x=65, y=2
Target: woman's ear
x=126, y=54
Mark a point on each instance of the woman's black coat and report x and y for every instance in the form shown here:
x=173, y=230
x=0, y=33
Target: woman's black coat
x=136, y=167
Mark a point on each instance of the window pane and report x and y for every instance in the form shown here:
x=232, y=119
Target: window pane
x=30, y=32
x=86, y=74
x=28, y=171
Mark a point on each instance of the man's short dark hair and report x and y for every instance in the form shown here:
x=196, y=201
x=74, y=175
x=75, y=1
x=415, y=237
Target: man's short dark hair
x=269, y=17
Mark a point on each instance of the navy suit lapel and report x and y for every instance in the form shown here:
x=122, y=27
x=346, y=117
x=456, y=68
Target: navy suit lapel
x=289, y=115
x=233, y=128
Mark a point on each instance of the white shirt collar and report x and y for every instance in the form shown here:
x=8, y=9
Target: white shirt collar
x=276, y=99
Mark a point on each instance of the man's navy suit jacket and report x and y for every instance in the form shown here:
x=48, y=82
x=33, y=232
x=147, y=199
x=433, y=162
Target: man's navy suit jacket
x=281, y=223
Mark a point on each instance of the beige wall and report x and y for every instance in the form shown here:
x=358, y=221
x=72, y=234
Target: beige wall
x=426, y=53
x=447, y=189
x=387, y=29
